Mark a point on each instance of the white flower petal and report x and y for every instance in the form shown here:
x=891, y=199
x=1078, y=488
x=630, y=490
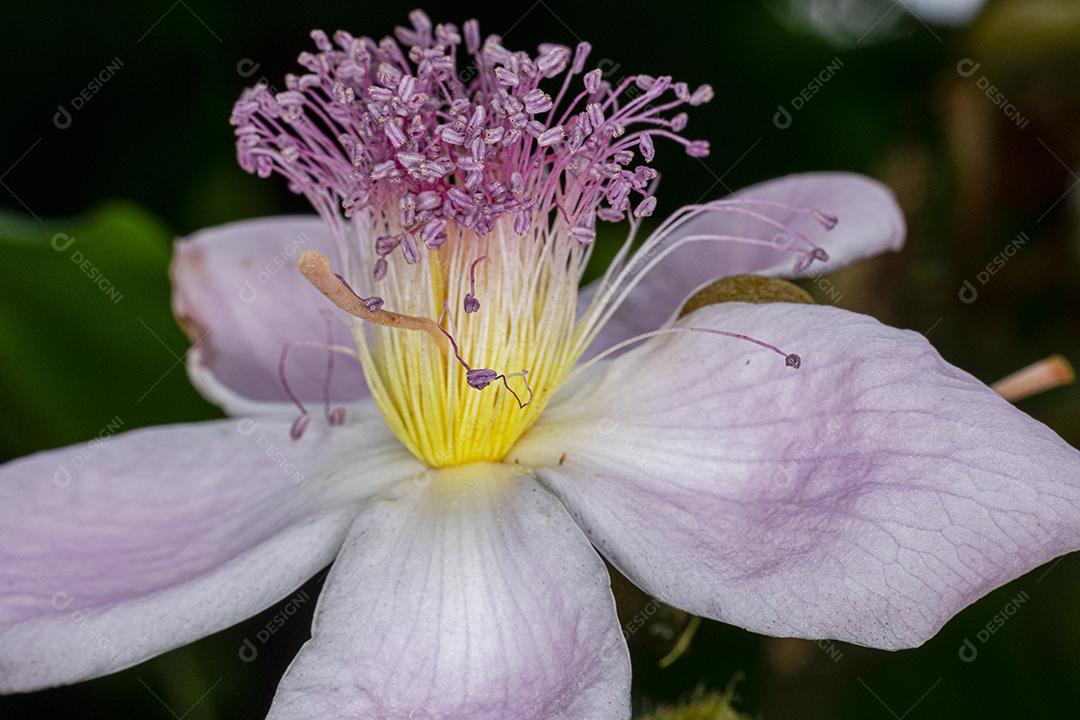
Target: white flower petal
x=869, y=223
x=472, y=598
x=118, y=550
x=240, y=298
x=868, y=496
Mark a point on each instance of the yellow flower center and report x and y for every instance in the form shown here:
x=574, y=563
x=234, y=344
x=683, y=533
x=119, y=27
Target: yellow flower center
x=523, y=330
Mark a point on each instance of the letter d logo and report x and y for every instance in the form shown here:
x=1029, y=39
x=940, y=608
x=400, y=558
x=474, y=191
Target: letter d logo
x=968, y=652
x=61, y=118
x=61, y=242
x=782, y=118
x=248, y=652
x=967, y=67
x=248, y=293
x=968, y=294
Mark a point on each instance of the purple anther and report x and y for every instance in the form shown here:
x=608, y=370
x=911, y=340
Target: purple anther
x=407, y=207
x=553, y=62
x=644, y=81
x=395, y=134
x=583, y=233
x=410, y=160
x=609, y=214
x=409, y=249
x=343, y=93
x=702, y=95
x=648, y=150
x=433, y=233
x=507, y=77
x=827, y=220
x=595, y=114
x=471, y=303
x=406, y=88
x=428, y=200
x=451, y=136
x=521, y=222
x=470, y=164
x=550, y=136
x=299, y=426
x=592, y=80
x=379, y=94
x=386, y=244
x=645, y=207
x=480, y=378
x=385, y=170
x=471, y=30
x=478, y=116
x=321, y=40
x=697, y=148
x=793, y=361
x=581, y=52
x=537, y=101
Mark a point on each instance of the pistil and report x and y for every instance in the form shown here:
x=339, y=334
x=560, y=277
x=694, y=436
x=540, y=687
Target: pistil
x=315, y=266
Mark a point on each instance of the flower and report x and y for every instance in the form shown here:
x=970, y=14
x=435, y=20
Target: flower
x=849, y=24
x=856, y=487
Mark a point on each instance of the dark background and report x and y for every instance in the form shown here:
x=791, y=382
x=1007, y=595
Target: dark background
x=149, y=155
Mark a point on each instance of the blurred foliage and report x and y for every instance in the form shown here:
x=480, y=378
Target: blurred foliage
x=74, y=358
x=701, y=706
x=89, y=344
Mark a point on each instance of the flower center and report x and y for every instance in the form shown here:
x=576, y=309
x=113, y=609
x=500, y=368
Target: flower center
x=509, y=324
x=463, y=183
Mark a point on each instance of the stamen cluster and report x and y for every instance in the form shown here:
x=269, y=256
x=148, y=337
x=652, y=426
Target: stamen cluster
x=498, y=164
x=399, y=126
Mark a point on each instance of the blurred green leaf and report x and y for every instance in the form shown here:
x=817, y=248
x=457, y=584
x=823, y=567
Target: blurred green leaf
x=88, y=344
x=702, y=706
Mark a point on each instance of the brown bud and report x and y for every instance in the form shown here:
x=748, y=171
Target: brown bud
x=748, y=289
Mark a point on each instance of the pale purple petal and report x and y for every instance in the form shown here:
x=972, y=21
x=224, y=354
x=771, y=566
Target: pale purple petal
x=868, y=496
x=239, y=297
x=118, y=550
x=474, y=597
x=869, y=222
